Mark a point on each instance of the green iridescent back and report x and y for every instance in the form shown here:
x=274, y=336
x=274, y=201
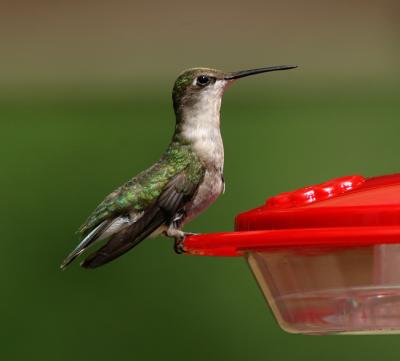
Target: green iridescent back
x=139, y=192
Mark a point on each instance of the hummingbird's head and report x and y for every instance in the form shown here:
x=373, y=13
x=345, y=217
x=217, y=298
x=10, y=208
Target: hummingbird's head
x=201, y=89
x=196, y=86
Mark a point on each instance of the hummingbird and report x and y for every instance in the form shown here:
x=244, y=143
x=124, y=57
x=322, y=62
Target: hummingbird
x=184, y=182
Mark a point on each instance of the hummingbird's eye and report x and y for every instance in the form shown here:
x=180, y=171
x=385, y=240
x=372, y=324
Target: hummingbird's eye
x=202, y=80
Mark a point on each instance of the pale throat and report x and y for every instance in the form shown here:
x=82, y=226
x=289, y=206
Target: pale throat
x=201, y=128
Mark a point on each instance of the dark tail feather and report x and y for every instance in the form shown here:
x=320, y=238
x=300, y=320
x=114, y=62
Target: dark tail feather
x=126, y=239
x=90, y=238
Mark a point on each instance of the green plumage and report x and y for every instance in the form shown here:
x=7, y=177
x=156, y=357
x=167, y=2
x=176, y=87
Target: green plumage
x=142, y=190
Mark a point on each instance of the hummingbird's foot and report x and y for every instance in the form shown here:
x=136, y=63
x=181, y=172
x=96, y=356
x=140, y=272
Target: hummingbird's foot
x=179, y=242
x=179, y=237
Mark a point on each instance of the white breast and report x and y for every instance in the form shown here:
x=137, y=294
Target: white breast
x=201, y=127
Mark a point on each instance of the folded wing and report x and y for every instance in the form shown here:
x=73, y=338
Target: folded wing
x=158, y=214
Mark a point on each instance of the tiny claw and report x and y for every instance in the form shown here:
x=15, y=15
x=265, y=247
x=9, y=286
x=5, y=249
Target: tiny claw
x=178, y=246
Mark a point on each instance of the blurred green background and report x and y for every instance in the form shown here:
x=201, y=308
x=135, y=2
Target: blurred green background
x=85, y=105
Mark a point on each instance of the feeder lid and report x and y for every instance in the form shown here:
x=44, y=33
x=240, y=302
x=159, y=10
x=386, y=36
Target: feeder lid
x=347, y=211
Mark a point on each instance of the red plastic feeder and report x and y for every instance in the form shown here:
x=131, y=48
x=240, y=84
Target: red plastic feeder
x=326, y=257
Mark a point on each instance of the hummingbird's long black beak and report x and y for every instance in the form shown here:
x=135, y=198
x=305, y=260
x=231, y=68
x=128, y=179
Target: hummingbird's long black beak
x=243, y=73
